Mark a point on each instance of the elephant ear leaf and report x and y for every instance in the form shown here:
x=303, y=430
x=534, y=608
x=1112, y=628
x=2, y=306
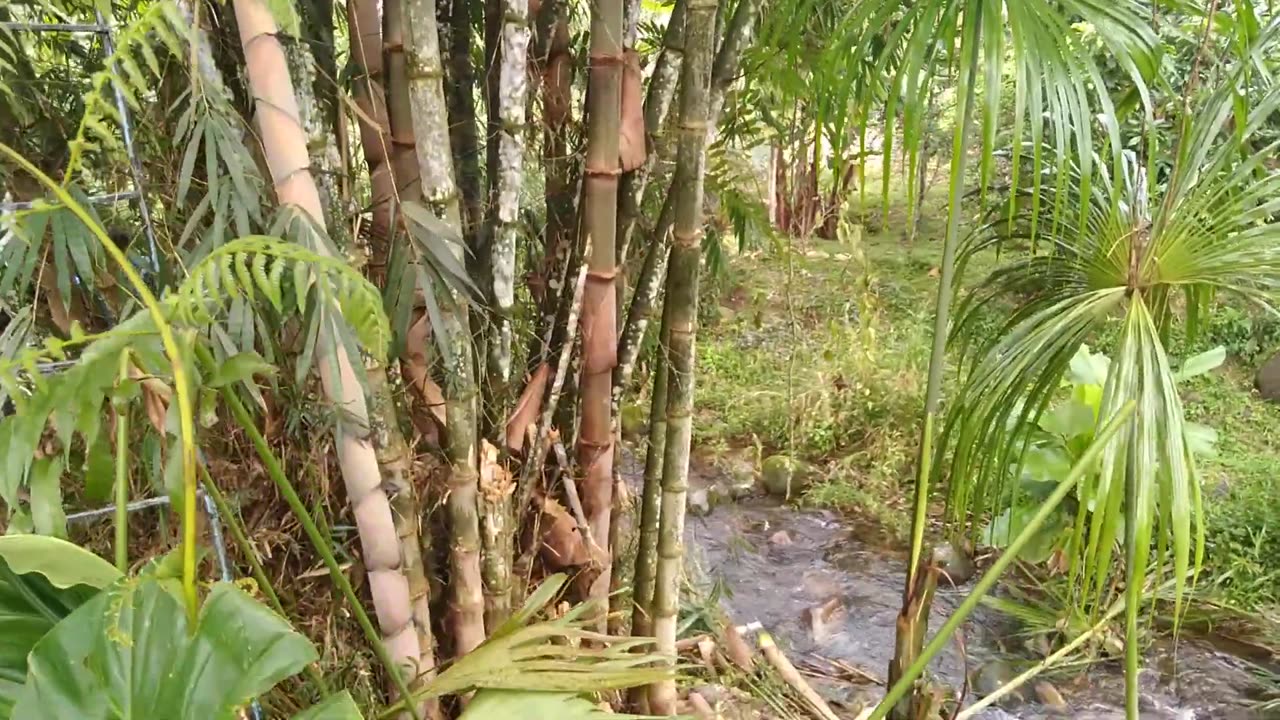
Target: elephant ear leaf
x=63, y=564
x=132, y=648
x=42, y=580
x=338, y=706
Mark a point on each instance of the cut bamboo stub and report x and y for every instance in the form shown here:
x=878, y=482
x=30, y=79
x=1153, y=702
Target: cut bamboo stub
x=792, y=676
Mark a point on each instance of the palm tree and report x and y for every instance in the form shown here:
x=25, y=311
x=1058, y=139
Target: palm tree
x=1136, y=251
x=1051, y=79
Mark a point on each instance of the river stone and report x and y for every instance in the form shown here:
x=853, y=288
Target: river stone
x=952, y=559
x=741, y=484
x=1268, y=380
x=635, y=423
x=1049, y=696
x=992, y=676
x=782, y=537
x=720, y=493
x=698, y=502
x=783, y=476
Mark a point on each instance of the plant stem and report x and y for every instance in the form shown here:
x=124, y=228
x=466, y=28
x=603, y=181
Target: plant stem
x=599, y=308
x=241, y=539
x=122, y=475
x=1086, y=464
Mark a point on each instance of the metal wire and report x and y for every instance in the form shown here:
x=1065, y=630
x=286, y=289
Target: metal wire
x=135, y=165
x=55, y=27
x=105, y=199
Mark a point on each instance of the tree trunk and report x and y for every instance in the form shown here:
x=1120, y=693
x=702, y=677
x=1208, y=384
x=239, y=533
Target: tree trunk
x=435, y=161
x=599, y=310
x=284, y=143
x=506, y=179
x=404, y=153
x=365, y=31
x=680, y=321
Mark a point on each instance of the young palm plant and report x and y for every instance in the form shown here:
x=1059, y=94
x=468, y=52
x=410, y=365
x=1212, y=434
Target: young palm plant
x=1152, y=255
x=1052, y=76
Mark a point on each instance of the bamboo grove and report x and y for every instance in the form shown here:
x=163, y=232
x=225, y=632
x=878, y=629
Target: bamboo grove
x=508, y=314
x=412, y=257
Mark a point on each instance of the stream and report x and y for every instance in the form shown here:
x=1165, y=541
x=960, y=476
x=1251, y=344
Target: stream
x=780, y=566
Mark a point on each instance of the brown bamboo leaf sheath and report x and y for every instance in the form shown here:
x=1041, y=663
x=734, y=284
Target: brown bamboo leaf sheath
x=284, y=144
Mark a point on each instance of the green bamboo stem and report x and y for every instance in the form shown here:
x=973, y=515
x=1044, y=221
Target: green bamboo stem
x=276, y=472
x=122, y=475
x=1086, y=464
x=913, y=621
x=435, y=162
x=680, y=329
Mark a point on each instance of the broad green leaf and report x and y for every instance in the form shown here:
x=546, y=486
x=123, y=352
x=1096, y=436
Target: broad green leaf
x=42, y=579
x=129, y=654
x=1046, y=465
x=1088, y=368
x=1069, y=419
x=47, y=513
x=339, y=706
x=1202, y=363
x=63, y=564
x=99, y=471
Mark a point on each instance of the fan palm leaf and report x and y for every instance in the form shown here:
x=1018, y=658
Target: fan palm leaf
x=1140, y=252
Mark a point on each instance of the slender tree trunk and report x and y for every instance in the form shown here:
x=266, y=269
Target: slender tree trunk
x=599, y=310
x=680, y=321
x=723, y=73
x=460, y=97
x=397, y=479
x=284, y=142
x=435, y=160
x=404, y=153
x=557, y=103
x=913, y=619
x=365, y=30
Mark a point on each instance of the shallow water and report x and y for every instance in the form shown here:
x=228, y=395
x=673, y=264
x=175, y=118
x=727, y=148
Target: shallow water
x=776, y=584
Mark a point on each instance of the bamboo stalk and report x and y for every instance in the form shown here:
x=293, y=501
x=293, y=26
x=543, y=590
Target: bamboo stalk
x=507, y=176
x=680, y=327
x=365, y=31
x=122, y=475
x=435, y=161
x=461, y=104
x=599, y=313
x=287, y=158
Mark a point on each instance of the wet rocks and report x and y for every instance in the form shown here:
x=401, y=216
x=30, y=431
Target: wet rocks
x=826, y=621
x=992, y=676
x=1049, y=696
x=698, y=502
x=782, y=538
x=953, y=560
x=785, y=477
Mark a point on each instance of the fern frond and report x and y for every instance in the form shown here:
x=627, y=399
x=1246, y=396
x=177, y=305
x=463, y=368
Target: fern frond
x=161, y=22
x=287, y=275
